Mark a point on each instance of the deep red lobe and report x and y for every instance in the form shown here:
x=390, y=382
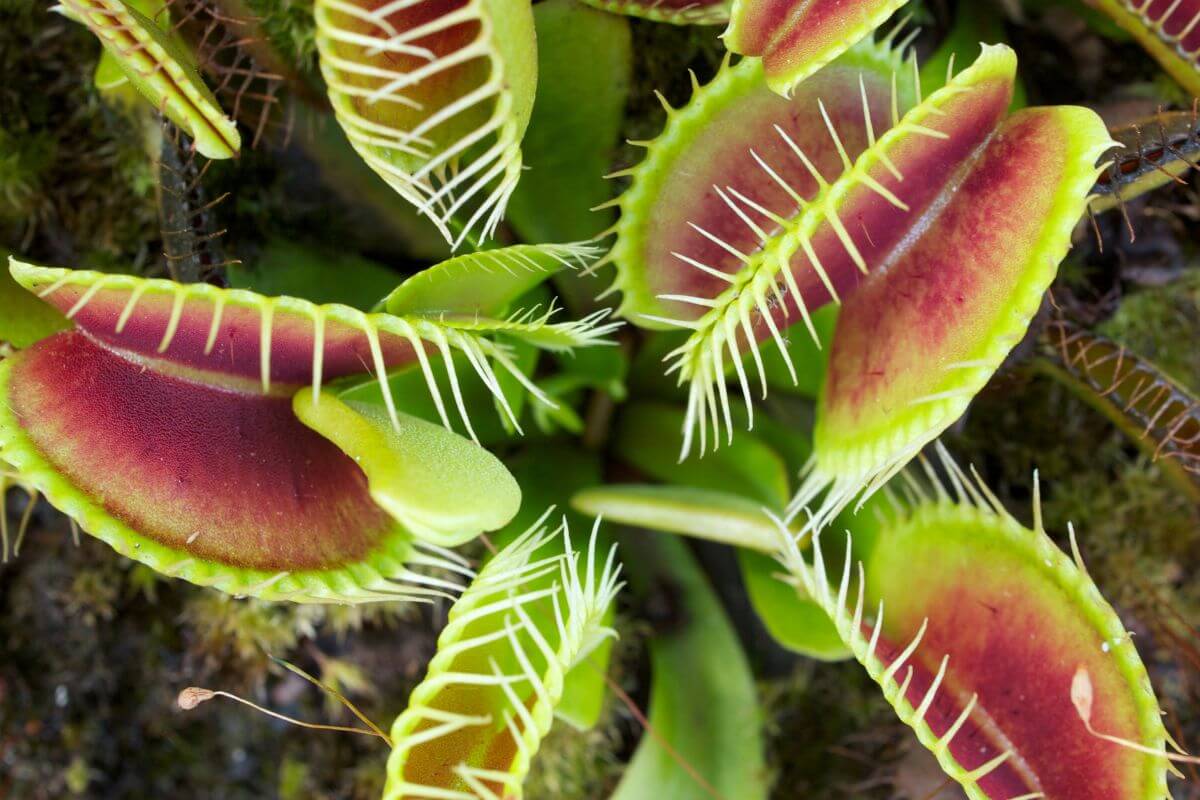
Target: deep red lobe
x=236, y=474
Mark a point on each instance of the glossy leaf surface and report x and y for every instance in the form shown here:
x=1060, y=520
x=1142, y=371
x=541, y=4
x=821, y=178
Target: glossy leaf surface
x=474, y=724
x=717, y=744
x=570, y=144
x=686, y=510
x=164, y=425
x=435, y=96
x=795, y=38
x=975, y=628
x=159, y=66
x=1168, y=29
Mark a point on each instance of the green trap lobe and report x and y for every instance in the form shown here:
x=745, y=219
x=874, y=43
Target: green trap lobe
x=215, y=475
x=930, y=161
x=718, y=141
x=970, y=282
x=795, y=38
x=1017, y=621
x=158, y=64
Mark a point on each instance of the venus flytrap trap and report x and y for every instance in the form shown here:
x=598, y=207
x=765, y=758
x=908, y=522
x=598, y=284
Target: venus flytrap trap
x=987, y=639
x=537, y=610
x=947, y=202
x=1157, y=412
x=157, y=63
x=329, y=502
x=685, y=258
x=435, y=96
x=795, y=38
x=475, y=723
x=1154, y=152
x=1168, y=29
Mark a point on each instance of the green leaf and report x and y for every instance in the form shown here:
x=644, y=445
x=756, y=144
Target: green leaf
x=702, y=698
x=736, y=482
x=444, y=488
x=795, y=622
x=549, y=474
x=487, y=282
x=648, y=437
x=24, y=319
x=295, y=270
x=703, y=513
x=584, y=68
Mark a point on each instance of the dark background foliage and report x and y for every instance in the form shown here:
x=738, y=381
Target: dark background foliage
x=93, y=648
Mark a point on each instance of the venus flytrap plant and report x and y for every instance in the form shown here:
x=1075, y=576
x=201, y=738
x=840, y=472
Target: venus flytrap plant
x=675, y=12
x=435, y=96
x=956, y=208
x=475, y=723
x=1154, y=152
x=1168, y=29
x=258, y=500
x=711, y=750
x=795, y=38
x=728, y=497
x=681, y=242
x=986, y=638
x=1157, y=412
x=535, y=612
x=159, y=66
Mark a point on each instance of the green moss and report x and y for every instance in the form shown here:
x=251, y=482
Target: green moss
x=94, y=593
x=25, y=161
x=828, y=728
x=1161, y=324
x=290, y=27
x=74, y=177
x=241, y=635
